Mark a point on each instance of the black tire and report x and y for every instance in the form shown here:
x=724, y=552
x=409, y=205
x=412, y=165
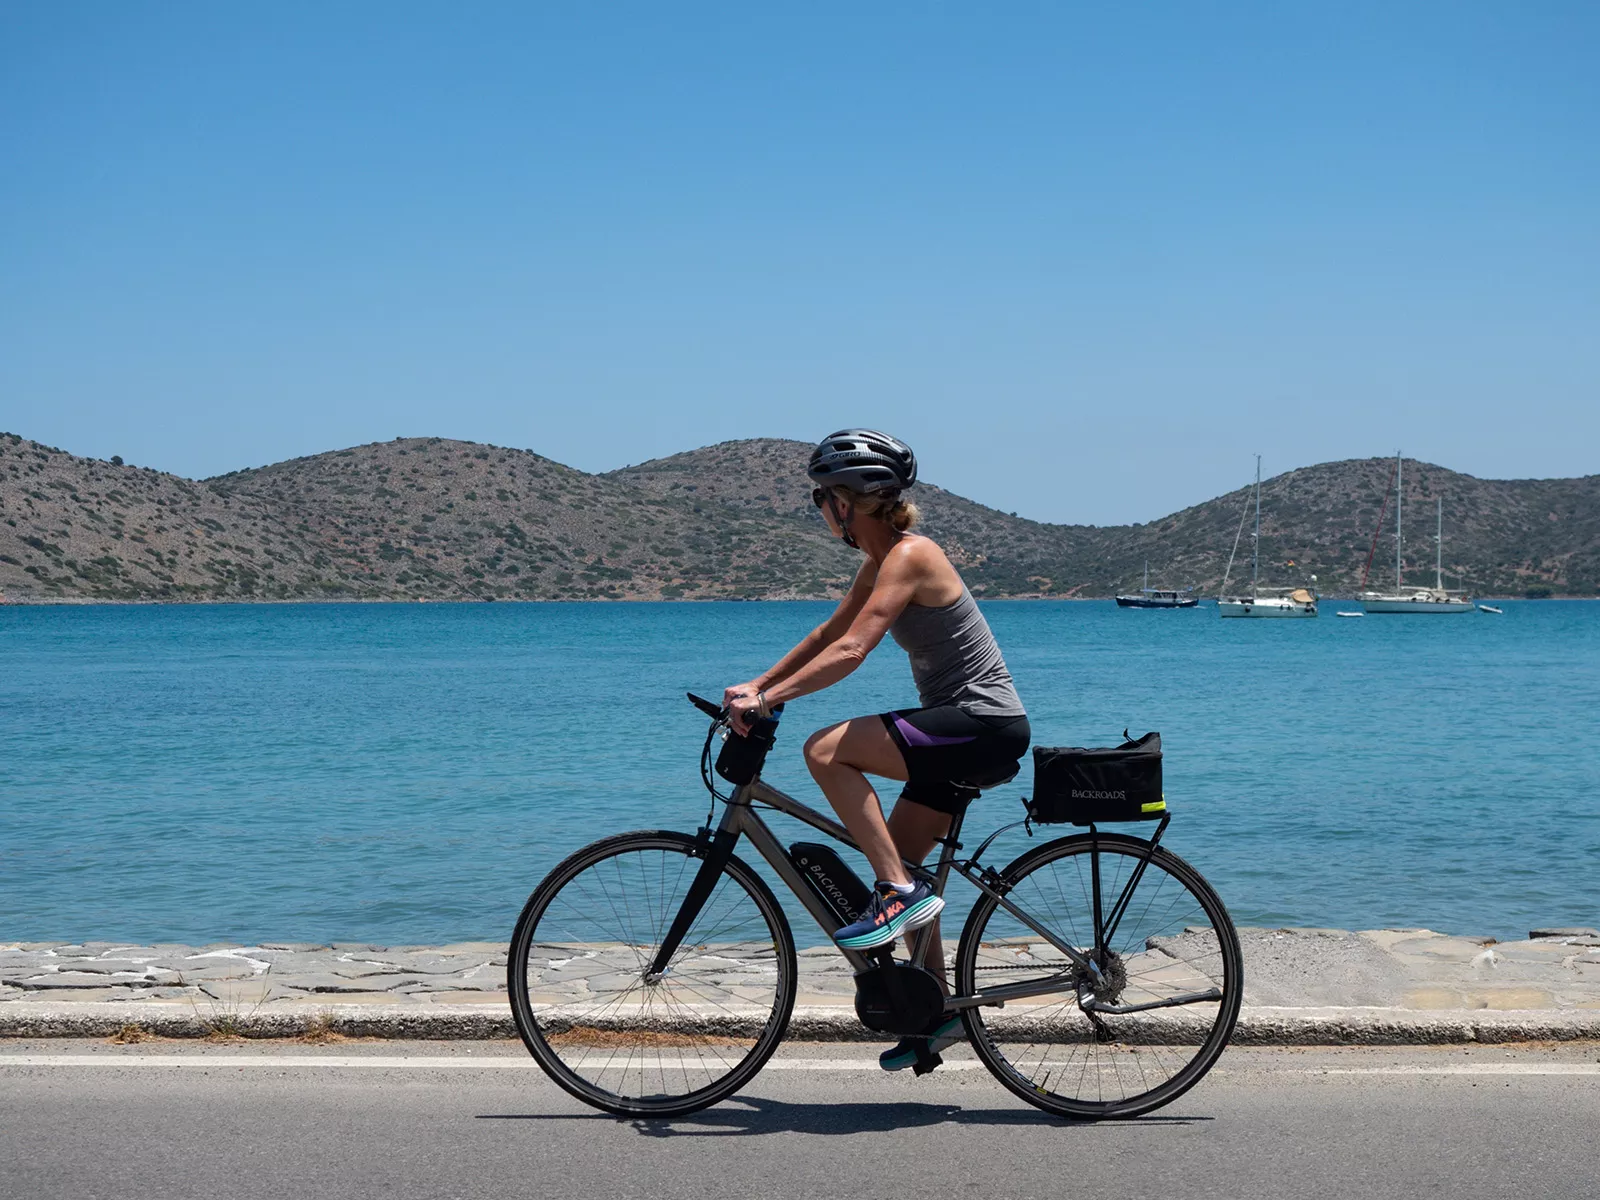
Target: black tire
x=622, y=1043
x=1175, y=938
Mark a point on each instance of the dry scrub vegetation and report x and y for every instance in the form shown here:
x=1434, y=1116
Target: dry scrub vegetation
x=436, y=519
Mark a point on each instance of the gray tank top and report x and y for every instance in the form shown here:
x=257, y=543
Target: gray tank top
x=955, y=659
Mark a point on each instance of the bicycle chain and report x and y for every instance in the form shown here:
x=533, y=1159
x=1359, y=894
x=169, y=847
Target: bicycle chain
x=1013, y=967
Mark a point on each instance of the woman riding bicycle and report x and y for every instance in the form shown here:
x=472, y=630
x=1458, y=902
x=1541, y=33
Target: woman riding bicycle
x=969, y=725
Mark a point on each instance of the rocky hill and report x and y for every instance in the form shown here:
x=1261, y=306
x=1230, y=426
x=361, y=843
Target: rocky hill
x=1502, y=537
x=431, y=518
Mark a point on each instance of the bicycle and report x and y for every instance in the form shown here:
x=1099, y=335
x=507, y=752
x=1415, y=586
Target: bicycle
x=653, y=973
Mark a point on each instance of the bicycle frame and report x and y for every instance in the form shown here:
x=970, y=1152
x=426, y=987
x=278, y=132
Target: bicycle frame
x=740, y=819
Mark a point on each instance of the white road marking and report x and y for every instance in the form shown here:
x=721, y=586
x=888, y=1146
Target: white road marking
x=1510, y=1068
x=397, y=1062
x=403, y=1062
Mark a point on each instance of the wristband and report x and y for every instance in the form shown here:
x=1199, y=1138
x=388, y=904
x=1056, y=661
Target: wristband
x=761, y=705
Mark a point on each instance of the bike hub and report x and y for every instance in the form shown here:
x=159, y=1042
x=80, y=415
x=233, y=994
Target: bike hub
x=1108, y=977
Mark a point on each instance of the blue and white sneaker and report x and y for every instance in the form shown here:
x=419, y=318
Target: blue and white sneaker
x=889, y=915
x=944, y=1032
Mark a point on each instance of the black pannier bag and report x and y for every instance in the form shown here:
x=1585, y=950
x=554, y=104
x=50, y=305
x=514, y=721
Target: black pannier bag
x=1074, y=785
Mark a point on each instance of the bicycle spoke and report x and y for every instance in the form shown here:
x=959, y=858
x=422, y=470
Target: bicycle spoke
x=620, y=1037
x=1165, y=946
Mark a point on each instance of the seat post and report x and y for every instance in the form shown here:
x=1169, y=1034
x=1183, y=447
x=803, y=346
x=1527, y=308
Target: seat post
x=951, y=839
x=948, y=845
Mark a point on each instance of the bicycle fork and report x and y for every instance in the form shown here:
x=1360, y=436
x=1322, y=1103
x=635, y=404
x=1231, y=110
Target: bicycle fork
x=718, y=850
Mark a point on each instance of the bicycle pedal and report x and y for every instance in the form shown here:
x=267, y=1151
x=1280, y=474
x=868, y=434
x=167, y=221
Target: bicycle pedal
x=925, y=1064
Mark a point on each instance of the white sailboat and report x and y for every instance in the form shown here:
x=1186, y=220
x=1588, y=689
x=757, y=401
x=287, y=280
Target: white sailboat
x=1436, y=599
x=1273, y=602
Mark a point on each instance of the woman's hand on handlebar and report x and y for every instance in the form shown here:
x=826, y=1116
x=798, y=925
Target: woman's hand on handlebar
x=744, y=710
x=730, y=694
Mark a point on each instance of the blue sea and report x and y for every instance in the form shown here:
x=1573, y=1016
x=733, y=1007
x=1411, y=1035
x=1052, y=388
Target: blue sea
x=403, y=774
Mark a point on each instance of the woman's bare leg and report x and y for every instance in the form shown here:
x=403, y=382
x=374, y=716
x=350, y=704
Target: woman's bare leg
x=916, y=829
x=840, y=758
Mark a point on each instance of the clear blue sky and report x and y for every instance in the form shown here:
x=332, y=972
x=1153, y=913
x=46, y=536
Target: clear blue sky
x=1086, y=259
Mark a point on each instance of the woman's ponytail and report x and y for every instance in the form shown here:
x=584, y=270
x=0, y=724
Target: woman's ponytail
x=900, y=514
x=903, y=516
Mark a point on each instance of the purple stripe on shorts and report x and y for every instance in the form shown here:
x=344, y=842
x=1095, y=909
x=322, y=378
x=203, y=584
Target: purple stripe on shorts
x=915, y=736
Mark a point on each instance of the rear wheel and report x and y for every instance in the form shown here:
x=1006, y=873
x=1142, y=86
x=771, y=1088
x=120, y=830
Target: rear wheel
x=1174, y=941
x=607, y=1030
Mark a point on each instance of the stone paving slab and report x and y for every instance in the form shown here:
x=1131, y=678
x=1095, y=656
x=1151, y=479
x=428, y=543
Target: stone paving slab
x=293, y=968
x=1419, y=969
x=1320, y=986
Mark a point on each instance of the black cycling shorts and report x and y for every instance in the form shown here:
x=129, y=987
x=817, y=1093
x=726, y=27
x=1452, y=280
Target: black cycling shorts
x=949, y=751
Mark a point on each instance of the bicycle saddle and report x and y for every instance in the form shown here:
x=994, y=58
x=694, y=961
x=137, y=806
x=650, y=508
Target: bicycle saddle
x=992, y=778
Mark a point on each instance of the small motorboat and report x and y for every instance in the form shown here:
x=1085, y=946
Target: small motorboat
x=1491, y=608
x=1149, y=597
x=1349, y=614
x=1159, y=598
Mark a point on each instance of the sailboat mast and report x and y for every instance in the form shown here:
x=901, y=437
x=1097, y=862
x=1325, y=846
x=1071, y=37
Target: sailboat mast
x=1255, y=542
x=1438, y=543
x=1244, y=515
x=1147, y=574
x=1399, y=487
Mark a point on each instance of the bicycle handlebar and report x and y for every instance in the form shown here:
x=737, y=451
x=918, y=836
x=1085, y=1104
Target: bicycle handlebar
x=705, y=706
x=717, y=713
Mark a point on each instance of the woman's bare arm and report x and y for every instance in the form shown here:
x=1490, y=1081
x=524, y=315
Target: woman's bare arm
x=814, y=642
x=903, y=571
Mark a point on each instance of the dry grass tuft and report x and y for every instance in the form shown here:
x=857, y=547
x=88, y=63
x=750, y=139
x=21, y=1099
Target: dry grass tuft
x=131, y=1033
x=226, y=1021
x=225, y=1028
x=319, y=1031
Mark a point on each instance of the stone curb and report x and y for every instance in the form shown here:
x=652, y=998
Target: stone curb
x=1411, y=1027
x=1258, y=1026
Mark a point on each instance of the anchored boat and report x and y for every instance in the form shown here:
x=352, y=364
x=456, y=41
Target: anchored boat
x=1271, y=602
x=1262, y=602
x=1149, y=597
x=1436, y=599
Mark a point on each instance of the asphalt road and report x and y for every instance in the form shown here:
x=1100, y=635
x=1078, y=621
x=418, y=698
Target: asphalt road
x=401, y=1120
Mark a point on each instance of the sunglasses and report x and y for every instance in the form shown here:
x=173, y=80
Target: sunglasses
x=819, y=496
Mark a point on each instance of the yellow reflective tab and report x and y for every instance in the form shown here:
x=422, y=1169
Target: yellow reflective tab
x=1155, y=806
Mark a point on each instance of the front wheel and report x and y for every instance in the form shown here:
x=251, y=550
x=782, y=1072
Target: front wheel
x=1174, y=957
x=619, y=1037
